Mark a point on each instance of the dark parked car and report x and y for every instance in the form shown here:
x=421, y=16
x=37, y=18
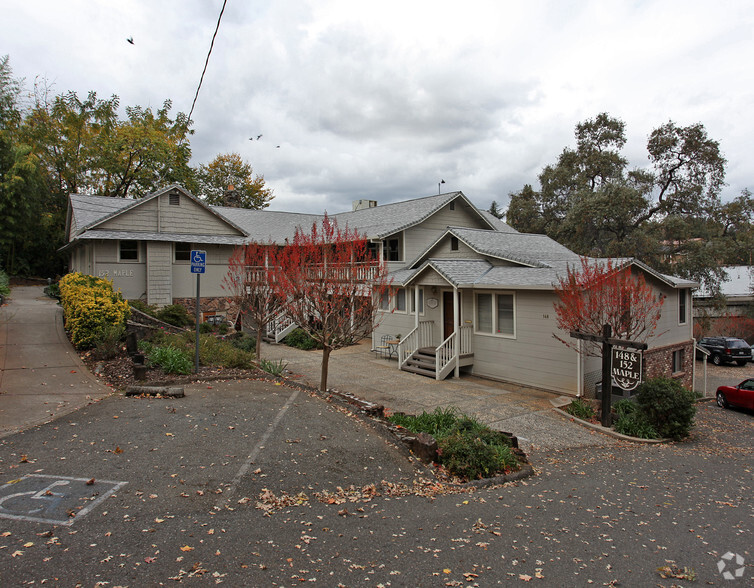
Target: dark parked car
x=741, y=395
x=725, y=350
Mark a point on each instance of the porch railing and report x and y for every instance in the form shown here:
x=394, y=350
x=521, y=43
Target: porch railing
x=279, y=327
x=357, y=272
x=445, y=353
x=420, y=337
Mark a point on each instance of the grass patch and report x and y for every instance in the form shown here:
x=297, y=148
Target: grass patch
x=276, y=368
x=580, y=409
x=467, y=448
x=212, y=351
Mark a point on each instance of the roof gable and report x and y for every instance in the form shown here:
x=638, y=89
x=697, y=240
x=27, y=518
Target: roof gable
x=102, y=212
x=388, y=219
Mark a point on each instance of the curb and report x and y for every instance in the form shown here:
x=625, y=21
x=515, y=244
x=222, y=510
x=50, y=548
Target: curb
x=609, y=432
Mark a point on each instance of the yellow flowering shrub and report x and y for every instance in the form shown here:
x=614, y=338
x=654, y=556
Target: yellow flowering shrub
x=90, y=305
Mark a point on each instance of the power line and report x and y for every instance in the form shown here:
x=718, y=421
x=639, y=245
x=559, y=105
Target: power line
x=212, y=44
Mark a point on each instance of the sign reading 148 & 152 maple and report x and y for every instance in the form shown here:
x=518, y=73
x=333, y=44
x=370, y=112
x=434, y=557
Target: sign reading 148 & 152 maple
x=626, y=368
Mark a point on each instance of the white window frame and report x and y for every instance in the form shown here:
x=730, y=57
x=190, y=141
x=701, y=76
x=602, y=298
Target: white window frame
x=120, y=250
x=677, y=361
x=175, y=252
x=494, y=318
x=384, y=302
x=683, y=299
x=413, y=301
x=394, y=297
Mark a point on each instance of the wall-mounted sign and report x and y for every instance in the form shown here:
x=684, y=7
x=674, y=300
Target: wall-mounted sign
x=432, y=302
x=626, y=368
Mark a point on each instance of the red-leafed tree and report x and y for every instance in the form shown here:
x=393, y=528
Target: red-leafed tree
x=251, y=269
x=329, y=284
x=601, y=292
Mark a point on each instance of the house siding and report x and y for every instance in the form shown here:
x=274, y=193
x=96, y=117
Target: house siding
x=142, y=217
x=534, y=357
x=417, y=238
x=159, y=274
x=191, y=218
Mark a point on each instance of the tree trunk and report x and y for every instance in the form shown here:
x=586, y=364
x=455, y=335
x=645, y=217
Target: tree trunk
x=259, y=342
x=325, y=363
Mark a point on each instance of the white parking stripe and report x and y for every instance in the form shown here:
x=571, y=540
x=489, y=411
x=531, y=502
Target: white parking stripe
x=250, y=460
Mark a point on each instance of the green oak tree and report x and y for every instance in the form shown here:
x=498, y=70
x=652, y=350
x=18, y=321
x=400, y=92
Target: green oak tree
x=228, y=169
x=669, y=214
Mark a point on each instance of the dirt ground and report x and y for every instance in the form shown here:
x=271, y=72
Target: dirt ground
x=119, y=372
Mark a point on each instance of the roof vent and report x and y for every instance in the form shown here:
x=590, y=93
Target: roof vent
x=361, y=204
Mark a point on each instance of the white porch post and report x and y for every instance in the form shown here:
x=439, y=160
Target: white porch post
x=416, y=307
x=457, y=332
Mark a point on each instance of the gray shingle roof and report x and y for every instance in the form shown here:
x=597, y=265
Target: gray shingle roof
x=387, y=219
x=527, y=248
x=172, y=237
x=276, y=227
x=87, y=210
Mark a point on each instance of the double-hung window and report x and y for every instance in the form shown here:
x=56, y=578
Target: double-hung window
x=129, y=251
x=421, y=301
x=400, y=300
x=496, y=314
x=682, y=303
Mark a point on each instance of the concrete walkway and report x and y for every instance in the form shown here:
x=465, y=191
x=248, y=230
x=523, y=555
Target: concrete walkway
x=41, y=376
x=525, y=412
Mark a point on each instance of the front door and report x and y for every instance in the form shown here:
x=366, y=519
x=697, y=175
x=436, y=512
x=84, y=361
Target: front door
x=448, y=323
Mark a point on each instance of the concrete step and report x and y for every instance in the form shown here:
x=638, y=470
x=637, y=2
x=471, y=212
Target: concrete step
x=419, y=371
x=427, y=363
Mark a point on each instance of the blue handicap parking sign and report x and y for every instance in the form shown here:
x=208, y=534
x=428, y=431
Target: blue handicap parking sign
x=198, y=261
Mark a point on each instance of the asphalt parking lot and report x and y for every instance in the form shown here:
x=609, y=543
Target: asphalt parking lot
x=249, y=484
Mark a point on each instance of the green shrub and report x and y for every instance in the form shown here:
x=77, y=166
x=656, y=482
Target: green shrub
x=171, y=359
x=175, y=314
x=142, y=306
x=214, y=351
x=4, y=284
x=635, y=424
x=276, y=368
x=107, y=341
x=90, y=305
x=580, y=409
x=668, y=407
x=52, y=290
x=300, y=339
x=625, y=407
x=467, y=448
x=206, y=328
x=242, y=341
x=469, y=456
x=437, y=423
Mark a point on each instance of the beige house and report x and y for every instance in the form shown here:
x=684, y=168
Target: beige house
x=469, y=293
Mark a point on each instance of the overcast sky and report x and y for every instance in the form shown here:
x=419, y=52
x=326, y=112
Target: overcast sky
x=382, y=100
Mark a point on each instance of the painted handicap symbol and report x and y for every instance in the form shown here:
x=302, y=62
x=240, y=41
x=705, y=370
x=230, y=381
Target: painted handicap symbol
x=32, y=503
x=60, y=500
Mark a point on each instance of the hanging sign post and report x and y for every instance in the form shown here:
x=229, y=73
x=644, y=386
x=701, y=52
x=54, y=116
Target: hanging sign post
x=631, y=367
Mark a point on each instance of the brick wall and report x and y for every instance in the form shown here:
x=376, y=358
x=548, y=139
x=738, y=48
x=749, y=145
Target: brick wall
x=659, y=362
x=209, y=306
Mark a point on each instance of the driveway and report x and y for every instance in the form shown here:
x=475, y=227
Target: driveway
x=41, y=375
x=252, y=484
